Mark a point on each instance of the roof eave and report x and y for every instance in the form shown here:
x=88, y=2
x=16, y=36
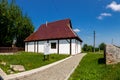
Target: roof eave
x=55, y=39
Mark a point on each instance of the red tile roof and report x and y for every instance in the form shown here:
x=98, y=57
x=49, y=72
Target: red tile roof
x=61, y=29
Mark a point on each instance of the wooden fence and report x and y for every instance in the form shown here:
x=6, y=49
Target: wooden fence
x=10, y=49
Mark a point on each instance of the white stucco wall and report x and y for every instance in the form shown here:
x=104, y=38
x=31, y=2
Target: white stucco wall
x=30, y=46
x=25, y=46
x=73, y=45
x=64, y=46
x=76, y=46
x=41, y=46
x=35, y=46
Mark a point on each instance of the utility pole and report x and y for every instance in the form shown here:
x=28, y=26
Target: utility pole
x=94, y=40
x=112, y=41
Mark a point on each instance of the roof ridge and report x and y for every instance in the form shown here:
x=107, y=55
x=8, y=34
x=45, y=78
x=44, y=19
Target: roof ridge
x=67, y=19
x=72, y=30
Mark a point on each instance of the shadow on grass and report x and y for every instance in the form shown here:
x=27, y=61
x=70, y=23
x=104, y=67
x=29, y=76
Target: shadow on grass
x=101, y=61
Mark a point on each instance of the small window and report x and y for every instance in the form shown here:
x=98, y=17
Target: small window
x=53, y=45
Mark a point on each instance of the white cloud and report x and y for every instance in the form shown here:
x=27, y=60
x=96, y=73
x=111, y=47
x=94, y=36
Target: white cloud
x=102, y=15
x=106, y=14
x=114, y=6
x=76, y=30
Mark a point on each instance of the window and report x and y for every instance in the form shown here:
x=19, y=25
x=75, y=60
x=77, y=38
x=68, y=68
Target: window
x=53, y=45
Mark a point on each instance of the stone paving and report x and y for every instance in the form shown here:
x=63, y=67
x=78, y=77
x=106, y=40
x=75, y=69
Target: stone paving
x=7, y=53
x=61, y=71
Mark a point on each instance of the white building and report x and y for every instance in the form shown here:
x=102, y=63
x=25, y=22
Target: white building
x=59, y=36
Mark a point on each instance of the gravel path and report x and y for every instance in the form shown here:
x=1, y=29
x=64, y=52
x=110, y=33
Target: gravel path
x=60, y=71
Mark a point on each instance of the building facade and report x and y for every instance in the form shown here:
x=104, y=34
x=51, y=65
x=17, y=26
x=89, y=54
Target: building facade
x=59, y=37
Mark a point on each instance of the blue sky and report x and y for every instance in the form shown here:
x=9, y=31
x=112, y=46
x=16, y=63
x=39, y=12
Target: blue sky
x=103, y=16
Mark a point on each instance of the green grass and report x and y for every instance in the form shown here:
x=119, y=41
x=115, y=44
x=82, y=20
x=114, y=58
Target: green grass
x=28, y=60
x=93, y=67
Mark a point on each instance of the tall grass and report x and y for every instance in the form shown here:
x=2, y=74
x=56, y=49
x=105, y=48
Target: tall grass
x=93, y=67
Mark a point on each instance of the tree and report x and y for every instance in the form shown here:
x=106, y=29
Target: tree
x=102, y=46
x=24, y=30
x=87, y=48
x=90, y=48
x=13, y=24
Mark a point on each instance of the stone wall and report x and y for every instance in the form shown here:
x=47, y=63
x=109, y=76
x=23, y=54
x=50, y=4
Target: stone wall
x=112, y=54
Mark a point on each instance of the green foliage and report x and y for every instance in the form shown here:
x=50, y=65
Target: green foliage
x=28, y=60
x=13, y=24
x=93, y=67
x=87, y=48
x=102, y=46
x=96, y=49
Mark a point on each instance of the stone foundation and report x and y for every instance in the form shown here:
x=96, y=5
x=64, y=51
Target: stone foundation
x=112, y=54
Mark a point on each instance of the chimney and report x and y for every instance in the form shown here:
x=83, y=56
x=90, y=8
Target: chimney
x=46, y=23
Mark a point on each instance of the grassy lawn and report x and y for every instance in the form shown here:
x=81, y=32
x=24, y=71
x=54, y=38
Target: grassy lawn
x=92, y=67
x=28, y=60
